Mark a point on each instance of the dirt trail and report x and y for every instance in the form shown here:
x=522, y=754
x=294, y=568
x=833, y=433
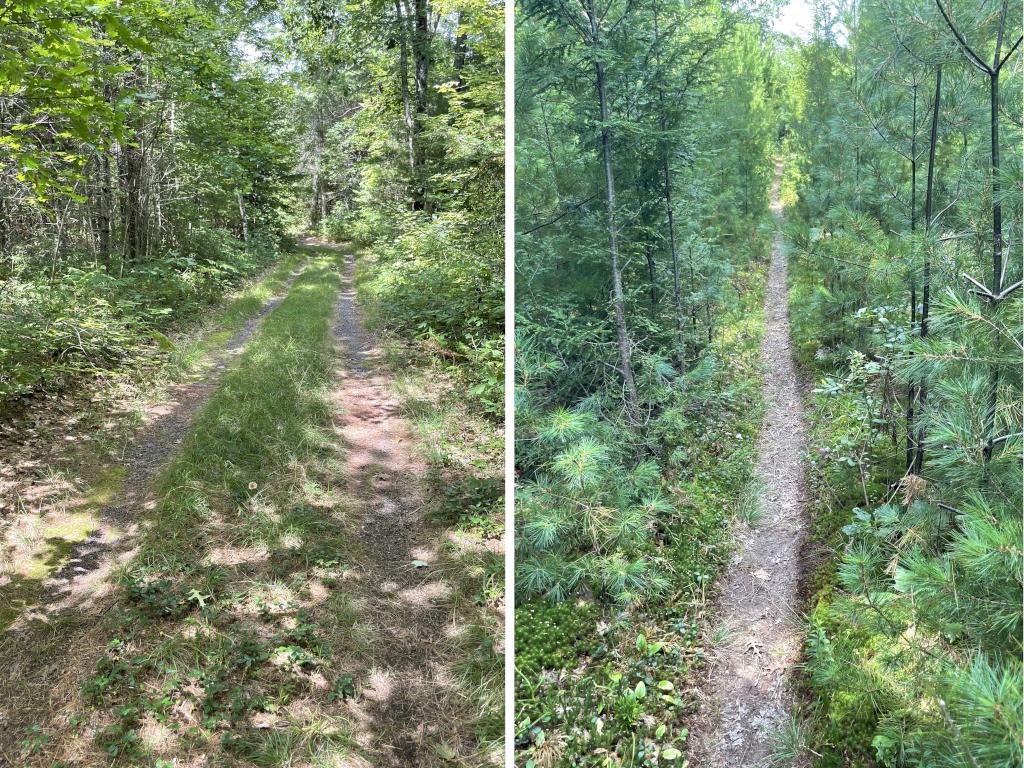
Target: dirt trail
x=748, y=678
x=405, y=704
x=58, y=635
x=84, y=577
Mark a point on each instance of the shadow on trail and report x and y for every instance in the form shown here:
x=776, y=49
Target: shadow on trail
x=413, y=707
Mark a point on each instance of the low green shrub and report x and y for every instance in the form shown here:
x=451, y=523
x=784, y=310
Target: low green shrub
x=440, y=282
x=91, y=319
x=554, y=635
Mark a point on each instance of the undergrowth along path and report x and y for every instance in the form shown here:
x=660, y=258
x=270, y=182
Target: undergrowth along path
x=79, y=570
x=748, y=685
x=57, y=634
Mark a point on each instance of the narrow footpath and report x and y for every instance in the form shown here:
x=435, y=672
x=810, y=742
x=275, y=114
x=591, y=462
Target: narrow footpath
x=749, y=697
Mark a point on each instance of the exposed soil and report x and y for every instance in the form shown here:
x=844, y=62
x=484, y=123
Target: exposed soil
x=400, y=593
x=749, y=696
x=166, y=424
x=55, y=637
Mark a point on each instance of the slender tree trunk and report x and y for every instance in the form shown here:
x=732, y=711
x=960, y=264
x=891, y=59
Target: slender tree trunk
x=676, y=292
x=666, y=172
x=5, y=226
x=318, y=208
x=618, y=299
x=460, y=51
x=912, y=387
x=102, y=205
x=929, y=199
x=997, y=226
x=996, y=289
x=403, y=84
x=132, y=224
x=243, y=215
x=997, y=234
x=997, y=208
x=649, y=257
x=421, y=79
x=693, y=308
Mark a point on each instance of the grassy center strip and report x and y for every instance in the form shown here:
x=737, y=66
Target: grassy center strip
x=232, y=317
x=230, y=617
x=70, y=495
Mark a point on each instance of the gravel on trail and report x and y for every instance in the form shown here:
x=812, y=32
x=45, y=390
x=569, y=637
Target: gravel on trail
x=748, y=689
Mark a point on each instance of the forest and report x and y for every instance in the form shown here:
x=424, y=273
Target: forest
x=767, y=362
x=251, y=364
x=683, y=595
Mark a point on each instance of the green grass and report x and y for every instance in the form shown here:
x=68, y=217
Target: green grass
x=226, y=321
x=790, y=744
x=232, y=610
x=42, y=543
x=260, y=437
x=751, y=504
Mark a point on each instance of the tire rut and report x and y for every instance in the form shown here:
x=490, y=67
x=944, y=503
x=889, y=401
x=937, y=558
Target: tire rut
x=399, y=591
x=84, y=574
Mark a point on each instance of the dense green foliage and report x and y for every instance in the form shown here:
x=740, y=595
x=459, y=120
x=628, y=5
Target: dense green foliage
x=156, y=152
x=594, y=470
x=145, y=168
x=906, y=303
x=404, y=152
x=640, y=212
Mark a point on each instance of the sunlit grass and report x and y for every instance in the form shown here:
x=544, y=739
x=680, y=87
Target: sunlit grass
x=233, y=607
x=38, y=542
x=226, y=321
x=261, y=431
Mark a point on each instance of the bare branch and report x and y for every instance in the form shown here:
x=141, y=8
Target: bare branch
x=1009, y=53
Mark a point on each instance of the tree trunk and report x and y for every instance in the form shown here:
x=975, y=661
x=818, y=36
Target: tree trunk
x=929, y=199
x=997, y=241
x=996, y=288
x=460, y=51
x=912, y=387
x=670, y=214
x=997, y=227
x=421, y=79
x=618, y=300
x=102, y=206
x=133, y=226
x=649, y=257
x=243, y=216
x=318, y=208
x=403, y=84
